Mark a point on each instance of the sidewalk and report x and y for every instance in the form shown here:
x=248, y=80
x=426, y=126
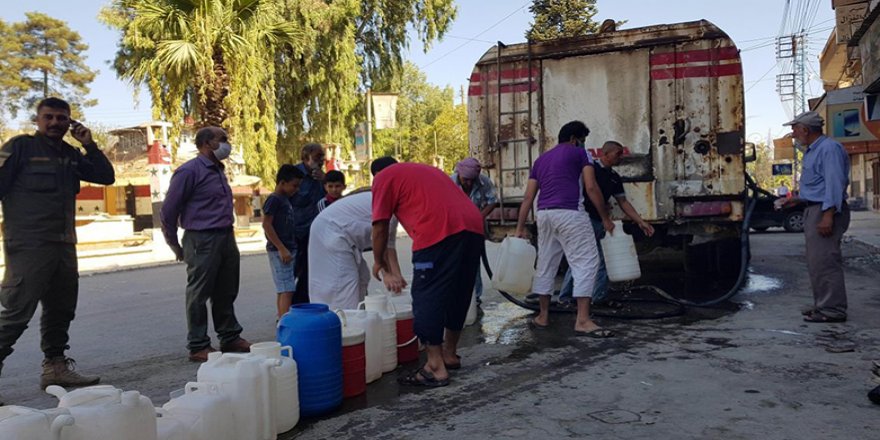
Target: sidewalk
x=150, y=254
x=864, y=226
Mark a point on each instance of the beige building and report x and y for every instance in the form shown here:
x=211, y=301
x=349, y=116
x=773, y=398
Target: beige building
x=850, y=71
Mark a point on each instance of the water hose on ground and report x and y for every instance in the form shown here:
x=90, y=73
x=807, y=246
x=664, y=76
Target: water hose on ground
x=677, y=304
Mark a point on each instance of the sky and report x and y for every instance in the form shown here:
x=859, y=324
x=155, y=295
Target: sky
x=752, y=24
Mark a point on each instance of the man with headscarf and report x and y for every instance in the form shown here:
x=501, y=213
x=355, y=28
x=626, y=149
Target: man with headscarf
x=481, y=191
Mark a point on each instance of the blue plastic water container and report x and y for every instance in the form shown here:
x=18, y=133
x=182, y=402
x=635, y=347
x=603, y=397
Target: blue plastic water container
x=315, y=334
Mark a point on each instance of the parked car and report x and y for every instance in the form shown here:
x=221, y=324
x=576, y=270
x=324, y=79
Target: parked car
x=767, y=216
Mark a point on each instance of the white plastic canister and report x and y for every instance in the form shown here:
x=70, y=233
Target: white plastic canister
x=21, y=423
x=170, y=428
x=245, y=381
x=371, y=323
x=284, y=383
x=621, y=259
x=471, y=316
x=379, y=303
x=515, y=266
x=107, y=413
x=204, y=410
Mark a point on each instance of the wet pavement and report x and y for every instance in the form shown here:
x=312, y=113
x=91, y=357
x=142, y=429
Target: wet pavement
x=740, y=370
x=745, y=369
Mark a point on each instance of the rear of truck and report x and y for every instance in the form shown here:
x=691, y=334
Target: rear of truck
x=671, y=94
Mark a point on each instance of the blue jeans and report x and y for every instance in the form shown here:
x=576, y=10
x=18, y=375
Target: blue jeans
x=600, y=291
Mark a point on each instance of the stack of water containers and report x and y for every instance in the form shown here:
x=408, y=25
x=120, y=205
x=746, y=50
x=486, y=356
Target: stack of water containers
x=240, y=396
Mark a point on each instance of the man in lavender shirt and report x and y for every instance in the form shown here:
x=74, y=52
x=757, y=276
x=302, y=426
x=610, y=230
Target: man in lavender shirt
x=563, y=225
x=200, y=199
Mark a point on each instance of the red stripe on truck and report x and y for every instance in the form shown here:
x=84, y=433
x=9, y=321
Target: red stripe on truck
x=697, y=72
x=695, y=56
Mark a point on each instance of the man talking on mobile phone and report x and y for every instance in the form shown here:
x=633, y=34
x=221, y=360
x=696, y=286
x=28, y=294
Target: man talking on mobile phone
x=40, y=177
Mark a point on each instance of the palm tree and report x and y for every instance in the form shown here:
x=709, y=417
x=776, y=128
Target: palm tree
x=212, y=59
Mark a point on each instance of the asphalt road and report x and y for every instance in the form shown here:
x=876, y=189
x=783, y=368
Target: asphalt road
x=751, y=369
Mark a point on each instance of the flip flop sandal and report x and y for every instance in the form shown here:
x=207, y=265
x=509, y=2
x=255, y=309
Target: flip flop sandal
x=537, y=326
x=455, y=366
x=809, y=311
x=426, y=380
x=599, y=333
x=820, y=317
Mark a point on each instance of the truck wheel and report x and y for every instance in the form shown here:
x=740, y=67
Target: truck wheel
x=794, y=222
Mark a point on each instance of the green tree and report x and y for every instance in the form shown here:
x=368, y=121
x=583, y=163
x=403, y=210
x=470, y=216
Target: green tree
x=761, y=169
x=356, y=43
x=429, y=124
x=212, y=59
x=562, y=18
x=42, y=57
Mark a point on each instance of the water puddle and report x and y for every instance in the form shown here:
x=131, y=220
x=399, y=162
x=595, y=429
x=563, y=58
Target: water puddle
x=756, y=283
x=504, y=323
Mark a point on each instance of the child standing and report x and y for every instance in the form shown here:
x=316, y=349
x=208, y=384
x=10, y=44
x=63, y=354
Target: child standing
x=334, y=184
x=279, y=228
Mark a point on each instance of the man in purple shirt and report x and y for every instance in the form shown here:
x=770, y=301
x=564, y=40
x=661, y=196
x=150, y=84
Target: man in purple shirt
x=563, y=225
x=200, y=198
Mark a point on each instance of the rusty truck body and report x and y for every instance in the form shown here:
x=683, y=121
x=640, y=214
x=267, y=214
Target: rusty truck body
x=671, y=94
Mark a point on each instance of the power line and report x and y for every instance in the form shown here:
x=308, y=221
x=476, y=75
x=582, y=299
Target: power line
x=479, y=34
x=762, y=77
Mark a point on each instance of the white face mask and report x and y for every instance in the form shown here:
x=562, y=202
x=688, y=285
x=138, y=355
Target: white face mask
x=223, y=151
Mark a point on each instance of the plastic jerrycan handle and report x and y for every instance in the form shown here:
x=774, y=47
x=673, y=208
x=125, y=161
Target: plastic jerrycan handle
x=192, y=387
x=268, y=410
x=289, y=350
x=341, y=314
x=618, y=229
x=59, y=423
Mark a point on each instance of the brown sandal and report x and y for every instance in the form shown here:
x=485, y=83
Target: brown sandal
x=820, y=317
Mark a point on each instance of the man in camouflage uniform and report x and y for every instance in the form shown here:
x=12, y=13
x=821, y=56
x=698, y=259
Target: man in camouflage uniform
x=39, y=179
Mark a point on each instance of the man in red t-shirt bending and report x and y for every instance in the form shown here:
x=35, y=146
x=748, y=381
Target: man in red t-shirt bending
x=447, y=233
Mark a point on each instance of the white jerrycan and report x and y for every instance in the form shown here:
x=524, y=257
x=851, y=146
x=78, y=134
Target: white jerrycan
x=621, y=259
x=284, y=383
x=471, y=316
x=371, y=323
x=107, y=413
x=388, y=313
x=245, y=381
x=170, y=428
x=204, y=410
x=515, y=266
x=21, y=423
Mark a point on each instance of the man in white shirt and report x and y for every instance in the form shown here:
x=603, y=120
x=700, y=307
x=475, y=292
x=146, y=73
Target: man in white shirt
x=338, y=274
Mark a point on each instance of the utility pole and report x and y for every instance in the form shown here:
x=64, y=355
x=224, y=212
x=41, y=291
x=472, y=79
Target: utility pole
x=369, y=125
x=791, y=86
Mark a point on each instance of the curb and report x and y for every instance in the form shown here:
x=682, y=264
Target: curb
x=150, y=265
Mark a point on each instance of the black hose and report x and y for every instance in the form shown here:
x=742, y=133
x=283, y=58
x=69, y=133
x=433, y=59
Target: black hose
x=744, y=265
x=666, y=298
